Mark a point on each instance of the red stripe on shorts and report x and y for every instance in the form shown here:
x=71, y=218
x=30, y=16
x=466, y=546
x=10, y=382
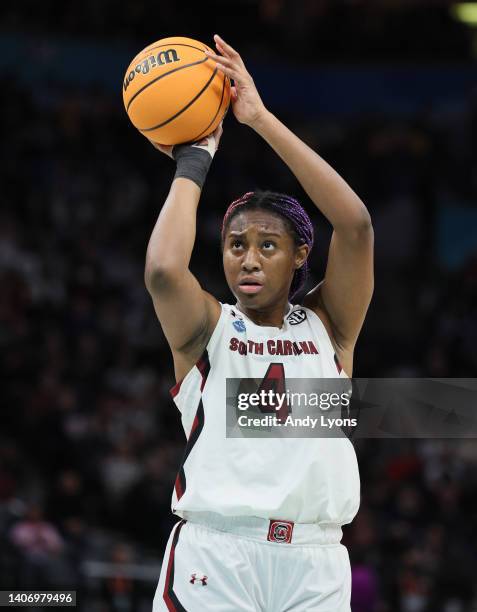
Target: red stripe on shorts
x=170, y=598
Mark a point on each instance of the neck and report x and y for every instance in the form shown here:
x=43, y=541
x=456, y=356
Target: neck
x=272, y=316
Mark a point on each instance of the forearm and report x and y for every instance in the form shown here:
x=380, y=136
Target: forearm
x=172, y=240
x=325, y=187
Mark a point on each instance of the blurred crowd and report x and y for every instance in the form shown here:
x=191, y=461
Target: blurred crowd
x=89, y=438
x=295, y=30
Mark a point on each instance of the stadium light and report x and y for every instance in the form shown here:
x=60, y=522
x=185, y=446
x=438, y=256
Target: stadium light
x=465, y=12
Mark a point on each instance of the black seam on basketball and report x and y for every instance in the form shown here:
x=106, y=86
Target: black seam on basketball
x=146, y=52
x=156, y=127
x=161, y=77
x=217, y=112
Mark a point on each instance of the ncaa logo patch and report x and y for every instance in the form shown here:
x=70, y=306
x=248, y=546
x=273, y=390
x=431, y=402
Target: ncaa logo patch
x=239, y=325
x=280, y=531
x=296, y=317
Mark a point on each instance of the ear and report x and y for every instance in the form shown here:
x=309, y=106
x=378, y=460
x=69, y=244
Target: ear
x=301, y=255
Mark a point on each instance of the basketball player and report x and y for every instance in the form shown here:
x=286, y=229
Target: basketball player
x=261, y=519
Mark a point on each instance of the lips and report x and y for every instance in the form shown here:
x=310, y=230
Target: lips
x=250, y=286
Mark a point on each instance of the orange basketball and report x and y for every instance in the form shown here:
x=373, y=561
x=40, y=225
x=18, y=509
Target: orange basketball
x=173, y=92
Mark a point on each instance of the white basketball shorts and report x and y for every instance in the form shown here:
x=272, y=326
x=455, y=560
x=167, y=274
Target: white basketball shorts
x=234, y=564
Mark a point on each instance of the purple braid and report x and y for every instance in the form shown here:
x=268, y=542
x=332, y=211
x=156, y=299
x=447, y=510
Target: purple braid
x=286, y=207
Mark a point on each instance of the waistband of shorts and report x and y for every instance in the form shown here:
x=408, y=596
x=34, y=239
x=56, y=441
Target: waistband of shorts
x=269, y=530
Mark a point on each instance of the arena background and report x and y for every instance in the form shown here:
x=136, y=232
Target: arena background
x=89, y=438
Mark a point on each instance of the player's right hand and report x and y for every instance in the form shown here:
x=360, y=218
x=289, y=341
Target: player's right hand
x=217, y=134
x=167, y=149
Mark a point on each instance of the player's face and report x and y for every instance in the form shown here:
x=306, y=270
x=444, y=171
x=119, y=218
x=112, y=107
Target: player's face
x=259, y=258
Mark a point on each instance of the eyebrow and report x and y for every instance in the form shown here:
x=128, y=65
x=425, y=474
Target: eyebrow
x=262, y=233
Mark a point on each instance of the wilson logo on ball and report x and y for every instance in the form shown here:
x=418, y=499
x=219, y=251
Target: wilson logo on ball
x=173, y=92
x=163, y=57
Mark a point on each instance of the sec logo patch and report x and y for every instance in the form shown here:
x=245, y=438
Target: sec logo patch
x=296, y=317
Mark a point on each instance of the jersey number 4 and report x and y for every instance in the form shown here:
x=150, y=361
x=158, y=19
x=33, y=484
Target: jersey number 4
x=274, y=381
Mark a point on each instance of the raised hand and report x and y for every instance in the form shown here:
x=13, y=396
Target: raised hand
x=247, y=105
x=210, y=143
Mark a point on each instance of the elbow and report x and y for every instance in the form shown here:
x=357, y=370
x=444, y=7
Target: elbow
x=364, y=226
x=158, y=276
x=362, y=223
x=358, y=228
x=363, y=231
x=152, y=278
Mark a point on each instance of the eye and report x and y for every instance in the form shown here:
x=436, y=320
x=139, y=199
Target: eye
x=236, y=244
x=268, y=245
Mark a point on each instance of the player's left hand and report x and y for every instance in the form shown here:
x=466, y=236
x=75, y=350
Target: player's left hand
x=247, y=105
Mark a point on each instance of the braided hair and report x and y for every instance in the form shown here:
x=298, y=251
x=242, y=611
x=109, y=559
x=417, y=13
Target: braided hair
x=291, y=211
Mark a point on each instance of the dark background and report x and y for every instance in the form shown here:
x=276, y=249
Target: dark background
x=89, y=438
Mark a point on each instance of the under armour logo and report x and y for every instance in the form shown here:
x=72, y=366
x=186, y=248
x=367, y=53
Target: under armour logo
x=194, y=578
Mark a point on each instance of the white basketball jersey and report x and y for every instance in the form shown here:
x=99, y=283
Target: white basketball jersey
x=304, y=480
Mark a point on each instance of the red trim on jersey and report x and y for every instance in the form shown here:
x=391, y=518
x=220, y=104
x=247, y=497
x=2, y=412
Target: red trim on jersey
x=176, y=388
x=170, y=598
x=197, y=426
x=180, y=484
x=338, y=364
x=203, y=365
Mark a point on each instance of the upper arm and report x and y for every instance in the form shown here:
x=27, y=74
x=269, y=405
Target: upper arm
x=187, y=313
x=345, y=292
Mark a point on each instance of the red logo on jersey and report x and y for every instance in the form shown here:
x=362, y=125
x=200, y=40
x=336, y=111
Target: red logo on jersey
x=273, y=347
x=194, y=577
x=280, y=531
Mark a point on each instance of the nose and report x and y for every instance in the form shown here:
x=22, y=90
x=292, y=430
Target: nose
x=251, y=260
